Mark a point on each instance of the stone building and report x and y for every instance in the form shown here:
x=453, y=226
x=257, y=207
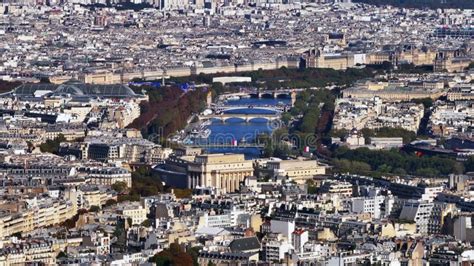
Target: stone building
x=222, y=171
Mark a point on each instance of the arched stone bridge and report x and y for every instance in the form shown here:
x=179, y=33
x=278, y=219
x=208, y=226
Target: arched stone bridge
x=246, y=117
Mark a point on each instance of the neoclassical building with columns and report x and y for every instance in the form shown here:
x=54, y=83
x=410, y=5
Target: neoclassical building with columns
x=222, y=171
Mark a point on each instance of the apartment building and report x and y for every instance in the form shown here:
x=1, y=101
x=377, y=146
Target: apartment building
x=428, y=216
x=29, y=252
x=461, y=93
x=343, y=189
x=374, y=112
x=370, y=205
x=107, y=176
x=39, y=214
x=133, y=211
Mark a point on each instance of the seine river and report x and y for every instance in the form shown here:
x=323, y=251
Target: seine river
x=236, y=129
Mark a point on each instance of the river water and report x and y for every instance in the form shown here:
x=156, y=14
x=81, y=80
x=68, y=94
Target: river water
x=236, y=129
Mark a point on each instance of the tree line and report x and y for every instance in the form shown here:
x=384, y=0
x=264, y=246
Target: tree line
x=284, y=77
x=167, y=111
x=365, y=161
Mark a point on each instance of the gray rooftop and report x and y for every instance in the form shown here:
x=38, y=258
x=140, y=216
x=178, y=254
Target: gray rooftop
x=76, y=88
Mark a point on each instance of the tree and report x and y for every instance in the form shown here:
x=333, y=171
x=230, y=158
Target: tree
x=45, y=80
x=173, y=255
x=268, y=149
x=30, y=146
x=339, y=133
x=389, y=132
x=286, y=118
x=469, y=164
x=61, y=254
x=394, y=161
x=94, y=208
x=343, y=165
x=427, y=102
x=146, y=223
x=194, y=253
x=360, y=167
x=52, y=146
x=120, y=187
x=312, y=189
x=110, y=202
x=145, y=183
x=282, y=151
x=399, y=171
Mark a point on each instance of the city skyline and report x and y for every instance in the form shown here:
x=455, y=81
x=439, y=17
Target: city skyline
x=236, y=132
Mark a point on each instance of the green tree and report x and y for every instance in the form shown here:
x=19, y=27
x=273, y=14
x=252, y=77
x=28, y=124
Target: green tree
x=145, y=183
x=61, y=255
x=173, y=255
x=52, y=146
x=286, y=118
x=360, y=167
x=194, y=253
x=427, y=102
x=340, y=133
x=394, y=161
x=110, y=202
x=282, y=151
x=94, y=208
x=146, y=223
x=120, y=187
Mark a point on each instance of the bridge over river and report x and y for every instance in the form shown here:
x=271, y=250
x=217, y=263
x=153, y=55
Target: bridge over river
x=246, y=117
x=257, y=93
x=226, y=145
x=265, y=108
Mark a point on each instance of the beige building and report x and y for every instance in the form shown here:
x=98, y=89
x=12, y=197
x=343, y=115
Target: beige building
x=377, y=58
x=297, y=170
x=451, y=64
x=41, y=215
x=343, y=189
x=393, y=94
x=109, y=176
x=222, y=171
x=452, y=60
x=70, y=134
x=114, y=76
x=134, y=211
x=316, y=59
x=417, y=57
x=86, y=197
x=29, y=253
x=461, y=93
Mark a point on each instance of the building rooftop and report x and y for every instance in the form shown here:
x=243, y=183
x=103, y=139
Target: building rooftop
x=75, y=88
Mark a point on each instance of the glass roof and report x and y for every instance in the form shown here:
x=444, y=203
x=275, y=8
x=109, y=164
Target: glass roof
x=76, y=88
